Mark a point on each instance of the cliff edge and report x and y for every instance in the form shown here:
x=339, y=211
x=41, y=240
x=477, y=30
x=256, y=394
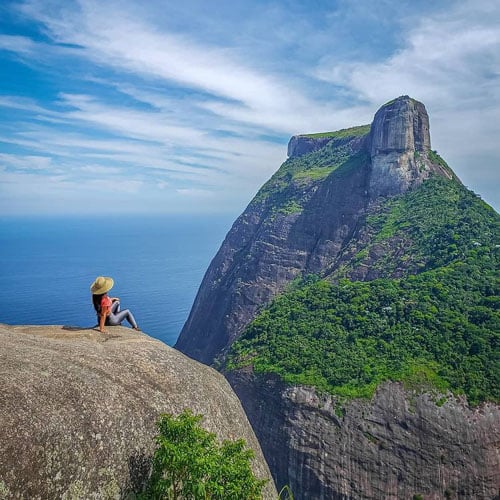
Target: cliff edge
x=78, y=410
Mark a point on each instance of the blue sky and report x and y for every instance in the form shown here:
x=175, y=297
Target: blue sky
x=187, y=107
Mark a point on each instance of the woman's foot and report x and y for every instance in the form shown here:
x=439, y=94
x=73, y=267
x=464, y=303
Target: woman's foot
x=137, y=329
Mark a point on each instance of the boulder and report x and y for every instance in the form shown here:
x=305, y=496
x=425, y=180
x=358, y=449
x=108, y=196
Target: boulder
x=78, y=410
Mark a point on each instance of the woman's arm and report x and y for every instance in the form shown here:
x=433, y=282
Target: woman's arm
x=102, y=319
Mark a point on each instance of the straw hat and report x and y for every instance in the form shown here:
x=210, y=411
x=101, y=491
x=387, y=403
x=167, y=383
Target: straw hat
x=102, y=284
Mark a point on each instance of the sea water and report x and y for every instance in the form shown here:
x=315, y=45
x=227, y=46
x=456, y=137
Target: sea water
x=48, y=264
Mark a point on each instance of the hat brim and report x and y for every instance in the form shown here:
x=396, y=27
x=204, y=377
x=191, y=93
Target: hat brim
x=98, y=289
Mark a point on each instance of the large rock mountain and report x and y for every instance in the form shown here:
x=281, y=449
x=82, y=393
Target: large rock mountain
x=78, y=410
x=305, y=215
x=354, y=309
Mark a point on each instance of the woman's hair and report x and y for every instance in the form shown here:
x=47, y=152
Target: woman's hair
x=96, y=301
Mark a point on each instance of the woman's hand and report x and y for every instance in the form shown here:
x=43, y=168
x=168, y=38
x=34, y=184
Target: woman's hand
x=115, y=299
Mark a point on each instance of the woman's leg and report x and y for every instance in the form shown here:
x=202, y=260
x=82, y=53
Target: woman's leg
x=116, y=319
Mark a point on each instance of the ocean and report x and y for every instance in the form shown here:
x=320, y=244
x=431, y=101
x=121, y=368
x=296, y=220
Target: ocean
x=47, y=265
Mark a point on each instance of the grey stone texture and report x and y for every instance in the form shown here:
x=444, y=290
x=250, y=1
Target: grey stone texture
x=78, y=410
x=397, y=445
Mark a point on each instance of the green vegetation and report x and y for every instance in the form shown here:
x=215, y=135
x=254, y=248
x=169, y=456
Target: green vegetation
x=4, y=491
x=189, y=464
x=292, y=207
x=432, y=226
x=302, y=171
x=435, y=158
x=343, y=133
x=313, y=174
x=438, y=329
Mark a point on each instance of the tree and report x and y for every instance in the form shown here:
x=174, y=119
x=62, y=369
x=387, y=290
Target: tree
x=189, y=463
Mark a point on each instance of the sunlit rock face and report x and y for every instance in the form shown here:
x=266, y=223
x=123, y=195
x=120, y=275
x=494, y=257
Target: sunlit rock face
x=399, y=147
x=78, y=410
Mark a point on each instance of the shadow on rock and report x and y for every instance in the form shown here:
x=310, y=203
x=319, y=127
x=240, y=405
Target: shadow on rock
x=78, y=328
x=139, y=465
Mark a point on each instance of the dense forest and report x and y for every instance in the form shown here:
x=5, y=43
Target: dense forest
x=434, y=325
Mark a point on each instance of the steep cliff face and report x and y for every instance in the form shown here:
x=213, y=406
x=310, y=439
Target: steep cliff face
x=425, y=313
x=304, y=216
x=302, y=144
x=398, y=445
x=297, y=224
x=78, y=410
x=399, y=149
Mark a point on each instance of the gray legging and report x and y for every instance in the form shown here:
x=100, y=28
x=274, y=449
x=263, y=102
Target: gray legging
x=116, y=316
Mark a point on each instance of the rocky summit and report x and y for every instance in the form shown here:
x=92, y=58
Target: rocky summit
x=78, y=410
x=353, y=306
x=305, y=215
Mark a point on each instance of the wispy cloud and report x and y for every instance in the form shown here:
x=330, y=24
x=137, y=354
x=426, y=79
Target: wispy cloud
x=18, y=44
x=442, y=56
x=451, y=62
x=174, y=105
x=229, y=88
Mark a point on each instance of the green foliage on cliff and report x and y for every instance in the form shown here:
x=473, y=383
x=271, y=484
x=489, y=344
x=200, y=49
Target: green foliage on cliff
x=298, y=172
x=190, y=463
x=343, y=133
x=438, y=328
x=292, y=207
x=435, y=158
x=436, y=224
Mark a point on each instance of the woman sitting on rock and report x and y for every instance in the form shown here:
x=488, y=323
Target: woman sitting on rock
x=108, y=308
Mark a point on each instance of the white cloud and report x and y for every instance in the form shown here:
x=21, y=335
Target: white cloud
x=100, y=170
x=22, y=103
x=195, y=193
x=26, y=162
x=442, y=59
x=111, y=37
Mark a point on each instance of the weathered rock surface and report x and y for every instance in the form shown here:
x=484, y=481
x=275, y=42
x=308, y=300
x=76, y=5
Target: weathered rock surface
x=264, y=251
x=300, y=145
x=399, y=126
x=400, y=143
x=396, y=446
x=78, y=410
